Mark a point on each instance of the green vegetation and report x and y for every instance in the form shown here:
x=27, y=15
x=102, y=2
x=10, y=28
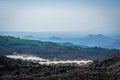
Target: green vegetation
x=50, y=50
x=12, y=41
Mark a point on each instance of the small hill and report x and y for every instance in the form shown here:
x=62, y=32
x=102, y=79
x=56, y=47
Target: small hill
x=98, y=36
x=55, y=38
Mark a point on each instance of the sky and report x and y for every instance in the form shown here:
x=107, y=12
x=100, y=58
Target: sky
x=81, y=16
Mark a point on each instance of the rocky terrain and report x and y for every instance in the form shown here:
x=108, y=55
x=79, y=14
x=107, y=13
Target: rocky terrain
x=103, y=69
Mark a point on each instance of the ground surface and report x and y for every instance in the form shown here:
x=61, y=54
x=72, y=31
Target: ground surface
x=105, y=69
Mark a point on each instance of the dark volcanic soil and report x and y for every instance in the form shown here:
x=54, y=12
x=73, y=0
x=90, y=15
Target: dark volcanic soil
x=105, y=69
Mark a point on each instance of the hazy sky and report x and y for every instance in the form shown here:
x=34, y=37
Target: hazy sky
x=84, y=16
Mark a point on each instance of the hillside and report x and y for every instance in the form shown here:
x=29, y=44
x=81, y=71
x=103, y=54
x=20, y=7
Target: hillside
x=50, y=50
x=12, y=41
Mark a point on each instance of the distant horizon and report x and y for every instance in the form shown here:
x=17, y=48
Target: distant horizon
x=76, y=16
x=100, y=40
x=59, y=34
